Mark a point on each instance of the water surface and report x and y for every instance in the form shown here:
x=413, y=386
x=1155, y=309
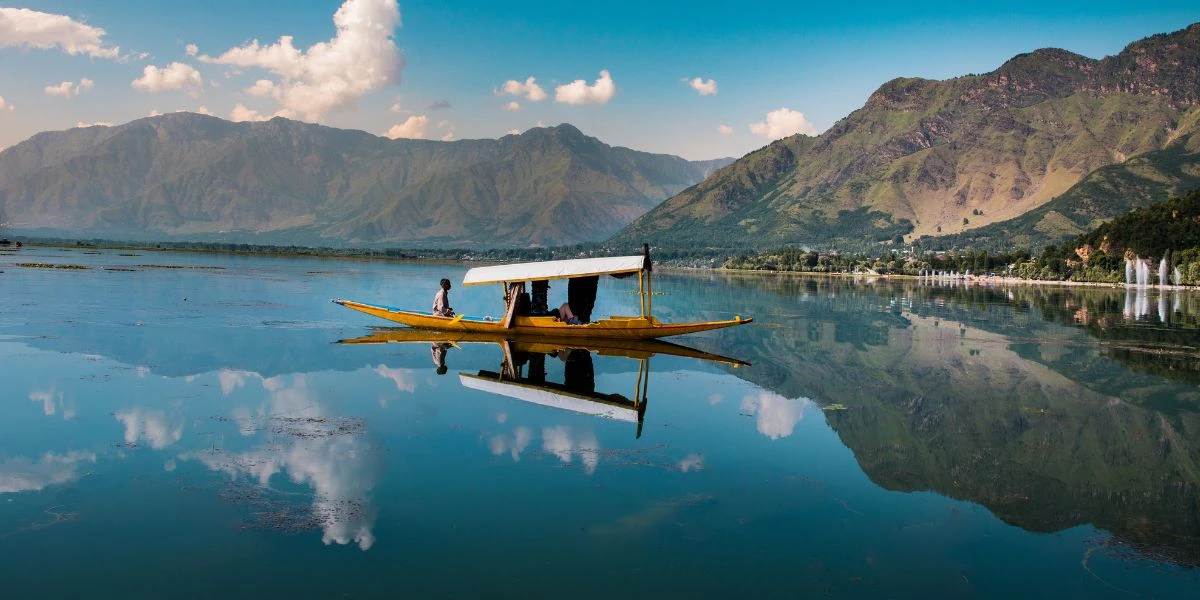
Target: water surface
x=186, y=425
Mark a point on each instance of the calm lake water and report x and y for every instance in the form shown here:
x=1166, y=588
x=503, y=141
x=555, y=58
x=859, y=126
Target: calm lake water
x=186, y=425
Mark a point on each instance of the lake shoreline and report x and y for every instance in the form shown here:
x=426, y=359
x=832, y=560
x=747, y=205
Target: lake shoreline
x=967, y=280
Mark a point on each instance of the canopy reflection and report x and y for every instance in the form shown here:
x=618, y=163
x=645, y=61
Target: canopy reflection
x=523, y=375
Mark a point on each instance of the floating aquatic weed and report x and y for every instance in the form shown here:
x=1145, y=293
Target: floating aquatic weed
x=206, y=267
x=59, y=516
x=52, y=266
x=316, y=427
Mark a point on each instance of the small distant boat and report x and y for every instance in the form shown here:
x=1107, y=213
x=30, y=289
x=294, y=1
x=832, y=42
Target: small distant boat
x=521, y=318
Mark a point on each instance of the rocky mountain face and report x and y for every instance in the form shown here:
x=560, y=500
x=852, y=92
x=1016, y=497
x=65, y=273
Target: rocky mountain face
x=934, y=158
x=189, y=176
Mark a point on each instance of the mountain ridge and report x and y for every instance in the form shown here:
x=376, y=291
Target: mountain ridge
x=185, y=175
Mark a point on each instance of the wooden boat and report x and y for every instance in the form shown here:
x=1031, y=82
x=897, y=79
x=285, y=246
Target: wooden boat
x=513, y=277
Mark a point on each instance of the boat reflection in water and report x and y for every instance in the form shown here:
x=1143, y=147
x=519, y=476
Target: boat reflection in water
x=526, y=365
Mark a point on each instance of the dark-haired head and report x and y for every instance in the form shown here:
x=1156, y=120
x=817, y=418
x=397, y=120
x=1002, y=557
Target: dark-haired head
x=445, y=283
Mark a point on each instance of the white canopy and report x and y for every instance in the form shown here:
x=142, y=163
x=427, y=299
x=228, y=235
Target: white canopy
x=546, y=397
x=553, y=269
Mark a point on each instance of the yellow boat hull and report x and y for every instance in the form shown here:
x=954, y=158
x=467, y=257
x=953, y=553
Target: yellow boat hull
x=634, y=328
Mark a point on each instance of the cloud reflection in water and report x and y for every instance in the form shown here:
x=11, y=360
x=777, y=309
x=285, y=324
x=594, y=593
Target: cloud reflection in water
x=20, y=474
x=777, y=416
x=310, y=447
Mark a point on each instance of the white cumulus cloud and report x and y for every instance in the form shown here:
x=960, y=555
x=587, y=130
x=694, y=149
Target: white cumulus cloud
x=514, y=132
x=96, y=124
x=361, y=57
x=191, y=49
x=513, y=106
x=68, y=89
x=705, y=88
x=782, y=123
x=262, y=87
x=241, y=113
x=5, y=105
x=24, y=28
x=413, y=128
x=724, y=130
x=579, y=92
x=174, y=76
x=530, y=90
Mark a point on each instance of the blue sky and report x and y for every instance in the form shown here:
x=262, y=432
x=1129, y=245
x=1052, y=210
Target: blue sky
x=778, y=67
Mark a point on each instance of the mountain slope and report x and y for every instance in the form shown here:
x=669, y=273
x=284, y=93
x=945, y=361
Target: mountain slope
x=198, y=177
x=929, y=157
x=1104, y=194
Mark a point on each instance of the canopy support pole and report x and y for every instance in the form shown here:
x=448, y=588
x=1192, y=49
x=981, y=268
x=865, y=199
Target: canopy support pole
x=642, y=292
x=648, y=269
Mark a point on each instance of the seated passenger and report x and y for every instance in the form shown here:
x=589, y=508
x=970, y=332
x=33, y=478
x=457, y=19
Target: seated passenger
x=565, y=315
x=441, y=301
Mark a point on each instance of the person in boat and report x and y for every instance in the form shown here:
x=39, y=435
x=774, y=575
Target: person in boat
x=564, y=314
x=441, y=301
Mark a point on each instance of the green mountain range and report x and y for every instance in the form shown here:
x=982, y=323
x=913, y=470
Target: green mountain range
x=190, y=176
x=1046, y=146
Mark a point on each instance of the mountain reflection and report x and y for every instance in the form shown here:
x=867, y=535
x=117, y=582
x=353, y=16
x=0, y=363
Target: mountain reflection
x=312, y=447
x=1052, y=407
